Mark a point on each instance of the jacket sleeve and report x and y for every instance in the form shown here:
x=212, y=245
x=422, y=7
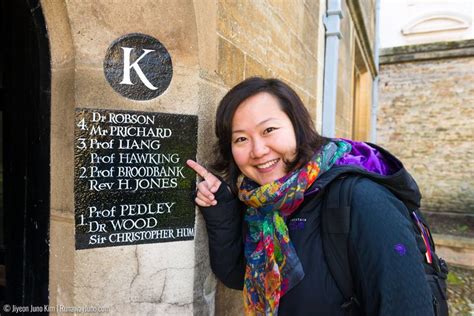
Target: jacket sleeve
x=224, y=229
x=390, y=277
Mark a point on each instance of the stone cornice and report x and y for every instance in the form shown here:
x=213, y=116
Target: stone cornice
x=428, y=51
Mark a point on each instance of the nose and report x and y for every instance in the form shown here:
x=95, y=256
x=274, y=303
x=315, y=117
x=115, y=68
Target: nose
x=259, y=149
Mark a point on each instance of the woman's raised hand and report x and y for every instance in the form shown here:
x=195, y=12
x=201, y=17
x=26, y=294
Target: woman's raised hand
x=206, y=188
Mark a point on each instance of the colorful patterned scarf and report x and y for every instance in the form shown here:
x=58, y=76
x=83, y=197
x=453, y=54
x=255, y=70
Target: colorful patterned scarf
x=273, y=266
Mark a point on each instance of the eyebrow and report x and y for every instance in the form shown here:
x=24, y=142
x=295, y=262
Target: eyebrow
x=260, y=123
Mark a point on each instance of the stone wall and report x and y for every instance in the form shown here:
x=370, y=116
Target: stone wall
x=425, y=117
x=270, y=39
x=161, y=278
x=367, y=14
x=355, y=59
x=61, y=262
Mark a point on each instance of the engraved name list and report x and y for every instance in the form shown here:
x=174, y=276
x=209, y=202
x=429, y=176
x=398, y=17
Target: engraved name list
x=131, y=182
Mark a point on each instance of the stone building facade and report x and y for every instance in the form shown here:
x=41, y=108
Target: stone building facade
x=213, y=45
x=426, y=97
x=425, y=118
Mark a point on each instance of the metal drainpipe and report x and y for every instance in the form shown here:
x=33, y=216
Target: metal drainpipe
x=375, y=84
x=332, y=22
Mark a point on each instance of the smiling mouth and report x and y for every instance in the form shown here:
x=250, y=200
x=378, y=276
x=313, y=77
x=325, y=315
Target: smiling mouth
x=268, y=164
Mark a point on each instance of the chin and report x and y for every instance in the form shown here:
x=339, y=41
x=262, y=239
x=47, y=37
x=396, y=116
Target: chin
x=269, y=180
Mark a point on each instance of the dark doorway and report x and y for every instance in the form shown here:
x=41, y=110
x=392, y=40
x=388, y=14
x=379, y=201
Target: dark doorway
x=25, y=150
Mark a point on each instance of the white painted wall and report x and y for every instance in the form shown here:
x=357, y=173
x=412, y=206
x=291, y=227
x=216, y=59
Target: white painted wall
x=407, y=22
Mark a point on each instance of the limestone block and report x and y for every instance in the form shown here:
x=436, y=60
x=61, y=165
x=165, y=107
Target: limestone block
x=62, y=140
x=92, y=90
x=310, y=29
x=291, y=12
x=59, y=33
x=206, y=20
x=230, y=63
x=312, y=107
x=455, y=250
x=137, y=279
x=95, y=24
x=313, y=7
x=246, y=24
x=61, y=259
x=209, y=98
x=254, y=68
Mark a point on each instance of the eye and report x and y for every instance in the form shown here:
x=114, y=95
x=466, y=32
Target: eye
x=240, y=139
x=269, y=130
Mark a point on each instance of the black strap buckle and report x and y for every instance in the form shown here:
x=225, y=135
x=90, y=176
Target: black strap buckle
x=443, y=266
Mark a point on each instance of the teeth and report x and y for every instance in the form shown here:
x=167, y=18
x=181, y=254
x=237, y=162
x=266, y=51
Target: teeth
x=267, y=164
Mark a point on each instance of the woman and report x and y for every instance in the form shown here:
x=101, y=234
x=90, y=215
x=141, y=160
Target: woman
x=264, y=224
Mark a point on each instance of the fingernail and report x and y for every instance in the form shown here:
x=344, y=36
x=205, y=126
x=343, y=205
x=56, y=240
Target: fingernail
x=214, y=202
x=210, y=196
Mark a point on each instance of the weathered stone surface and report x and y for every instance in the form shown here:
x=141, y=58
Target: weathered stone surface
x=435, y=50
x=61, y=227
x=61, y=266
x=455, y=249
x=151, y=283
x=94, y=25
x=59, y=33
x=62, y=139
x=344, y=101
x=281, y=35
x=363, y=18
x=367, y=9
x=231, y=63
x=425, y=118
x=255, y=68
x=204, y=279
x=92, y=90
x=206, y=23
x=311, y=22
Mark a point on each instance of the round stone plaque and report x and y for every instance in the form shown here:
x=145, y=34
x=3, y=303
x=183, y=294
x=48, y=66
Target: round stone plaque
x=138, y=66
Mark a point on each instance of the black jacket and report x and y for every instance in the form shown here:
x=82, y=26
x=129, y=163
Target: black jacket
x=387, y=265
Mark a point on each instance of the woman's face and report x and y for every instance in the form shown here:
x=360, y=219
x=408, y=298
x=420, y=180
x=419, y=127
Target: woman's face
x=263, y=138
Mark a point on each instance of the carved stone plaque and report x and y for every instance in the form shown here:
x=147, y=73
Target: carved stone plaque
x=131, y=182
x=138, y=66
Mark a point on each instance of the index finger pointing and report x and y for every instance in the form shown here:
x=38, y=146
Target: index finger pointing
x=200, y=170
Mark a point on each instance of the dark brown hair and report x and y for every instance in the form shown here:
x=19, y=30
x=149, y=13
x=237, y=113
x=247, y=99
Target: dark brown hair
x=307, y=139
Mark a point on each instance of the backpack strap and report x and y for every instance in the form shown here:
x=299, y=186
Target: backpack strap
x=336, y=222
x=436, y=269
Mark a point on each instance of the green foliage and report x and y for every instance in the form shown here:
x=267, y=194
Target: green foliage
x=453, y=279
